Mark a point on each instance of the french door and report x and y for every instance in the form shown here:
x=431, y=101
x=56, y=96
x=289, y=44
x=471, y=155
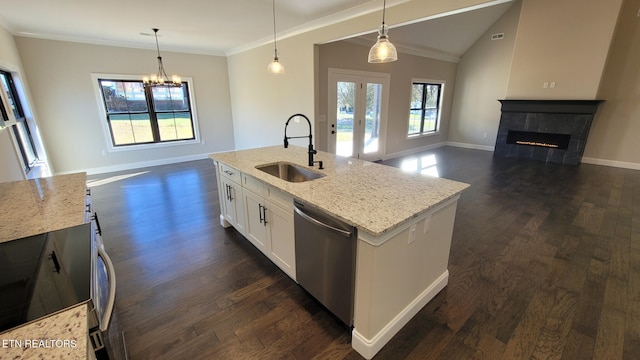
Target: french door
x=357, y=113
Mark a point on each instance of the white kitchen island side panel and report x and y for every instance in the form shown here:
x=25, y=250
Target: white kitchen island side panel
x=399, y=277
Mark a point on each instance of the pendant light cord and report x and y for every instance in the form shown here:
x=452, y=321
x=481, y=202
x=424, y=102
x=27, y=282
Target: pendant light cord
x=384, y=8
x=275, y=44
x=155, y=31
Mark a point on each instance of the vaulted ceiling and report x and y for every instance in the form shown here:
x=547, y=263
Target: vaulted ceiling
x=220, y=27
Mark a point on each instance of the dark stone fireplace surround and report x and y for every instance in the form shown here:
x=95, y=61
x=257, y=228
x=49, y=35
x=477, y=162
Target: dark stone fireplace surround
x=545, y=119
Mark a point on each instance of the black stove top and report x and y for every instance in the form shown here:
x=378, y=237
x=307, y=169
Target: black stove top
x=42, y=274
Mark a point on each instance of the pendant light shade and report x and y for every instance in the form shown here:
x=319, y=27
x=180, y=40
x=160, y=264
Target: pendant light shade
x=275, y=67
x=383, y=50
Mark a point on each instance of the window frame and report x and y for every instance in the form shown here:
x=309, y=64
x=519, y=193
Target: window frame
x=441, y=84
x=106, y=127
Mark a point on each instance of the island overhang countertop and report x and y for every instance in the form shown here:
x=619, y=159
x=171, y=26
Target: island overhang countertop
x=36, y=206
x=372, y=197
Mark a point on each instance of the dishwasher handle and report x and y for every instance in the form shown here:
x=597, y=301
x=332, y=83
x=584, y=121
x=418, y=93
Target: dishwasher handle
x=321, y=224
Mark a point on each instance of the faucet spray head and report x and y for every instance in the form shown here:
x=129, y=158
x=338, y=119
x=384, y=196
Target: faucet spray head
x=286, y=142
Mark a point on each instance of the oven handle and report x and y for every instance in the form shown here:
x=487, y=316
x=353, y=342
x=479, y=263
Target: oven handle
x=106, y=317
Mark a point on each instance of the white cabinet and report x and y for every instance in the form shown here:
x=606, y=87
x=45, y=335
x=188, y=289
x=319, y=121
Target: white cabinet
x=260, y=212
x=281, y=243
x=256, y=230
x=269, y=215
x=231, y=199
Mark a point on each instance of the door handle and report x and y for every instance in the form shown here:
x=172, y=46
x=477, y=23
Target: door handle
x=260, y=213
x=264, y=215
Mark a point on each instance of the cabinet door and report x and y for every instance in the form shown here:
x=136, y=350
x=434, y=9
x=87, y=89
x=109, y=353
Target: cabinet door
x=232, y=205
x=256, y=227
x=282, y=242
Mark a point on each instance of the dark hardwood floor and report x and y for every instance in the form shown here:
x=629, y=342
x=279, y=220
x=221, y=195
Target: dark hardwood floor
x=545, y=264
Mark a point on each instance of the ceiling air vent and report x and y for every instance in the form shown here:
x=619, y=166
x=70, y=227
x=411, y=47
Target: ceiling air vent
x=499, y=36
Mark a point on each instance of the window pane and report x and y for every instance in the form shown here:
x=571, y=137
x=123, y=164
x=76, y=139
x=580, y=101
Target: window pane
x=130, y=129
x=433, y=94
x=12, y=101
x=416, y=96
x=25, y=139
x=414, y=121
x=175, y=126
x=170, y=98
x=123, y=96
x=430, y=117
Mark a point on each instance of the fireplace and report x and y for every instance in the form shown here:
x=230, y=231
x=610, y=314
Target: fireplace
x=546, y=130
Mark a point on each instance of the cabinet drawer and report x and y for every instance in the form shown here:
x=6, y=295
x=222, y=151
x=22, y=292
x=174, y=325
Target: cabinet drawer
x=230, y=172
x=253, y=184
x=279, y=198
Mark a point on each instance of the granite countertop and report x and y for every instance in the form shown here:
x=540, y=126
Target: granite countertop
x=59, y=336
x=375, y=198
x=31, y=207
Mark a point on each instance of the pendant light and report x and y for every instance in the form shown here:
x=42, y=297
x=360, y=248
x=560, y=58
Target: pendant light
x=383, y=51
x=275, y=67
x=161, y=78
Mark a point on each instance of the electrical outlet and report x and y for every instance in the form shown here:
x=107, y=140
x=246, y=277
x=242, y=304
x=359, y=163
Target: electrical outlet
x=412, y=233
x=498, y=36
x=545, y=85
x=552, y=85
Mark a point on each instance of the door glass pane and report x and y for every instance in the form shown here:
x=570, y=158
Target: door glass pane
x=372, y=118
x=345, y=118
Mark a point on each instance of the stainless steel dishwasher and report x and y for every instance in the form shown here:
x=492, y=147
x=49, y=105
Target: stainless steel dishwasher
x=326, y=259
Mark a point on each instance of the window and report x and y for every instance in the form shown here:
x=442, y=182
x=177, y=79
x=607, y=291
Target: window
x=425, y=108
x=136, y=114
x=12, y=110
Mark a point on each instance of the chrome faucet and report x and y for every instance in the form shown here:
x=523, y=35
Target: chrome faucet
x=311, y=151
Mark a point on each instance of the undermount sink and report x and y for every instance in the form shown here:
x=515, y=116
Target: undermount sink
x=289, y=172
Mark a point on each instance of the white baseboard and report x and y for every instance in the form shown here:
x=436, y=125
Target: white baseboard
x=412, y=151
x=138, y=165
x=368, y=348
x=612, y=163
x=470, y=146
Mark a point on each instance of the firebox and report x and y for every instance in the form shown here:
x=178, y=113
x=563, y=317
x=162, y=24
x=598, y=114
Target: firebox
x=530, y=138
x=547, y=130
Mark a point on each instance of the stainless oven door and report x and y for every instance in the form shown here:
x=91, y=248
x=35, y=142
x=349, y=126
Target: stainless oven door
x=105, y=293
x=106, y=339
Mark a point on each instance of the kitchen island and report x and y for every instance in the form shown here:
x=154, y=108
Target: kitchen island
x=404, y=224
x=32, y=207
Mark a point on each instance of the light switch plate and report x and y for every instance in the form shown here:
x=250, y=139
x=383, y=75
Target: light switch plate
x=427, y=224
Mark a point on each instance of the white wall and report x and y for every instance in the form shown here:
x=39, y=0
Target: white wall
x=481, y=80
x=613, y=139
x=59, y=74
x=561, y=41
x=261, y=102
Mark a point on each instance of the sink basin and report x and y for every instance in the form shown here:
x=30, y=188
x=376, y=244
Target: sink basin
x=289, y=172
